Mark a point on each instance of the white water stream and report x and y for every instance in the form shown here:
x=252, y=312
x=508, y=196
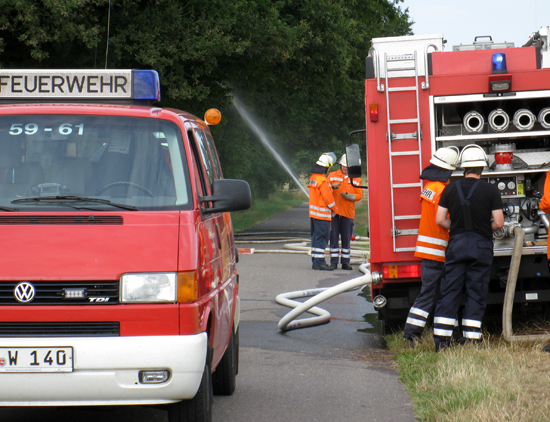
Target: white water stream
x=263, y=138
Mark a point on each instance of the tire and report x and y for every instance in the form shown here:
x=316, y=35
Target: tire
x=224, y=377
x=197, y=409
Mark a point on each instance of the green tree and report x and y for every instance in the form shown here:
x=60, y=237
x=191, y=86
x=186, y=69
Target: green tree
x=296, y=64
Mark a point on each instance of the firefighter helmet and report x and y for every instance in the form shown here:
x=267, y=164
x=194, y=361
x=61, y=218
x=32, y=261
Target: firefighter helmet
x=473, y=156
x=343, y=161
x=326, y=159
x=445, y=158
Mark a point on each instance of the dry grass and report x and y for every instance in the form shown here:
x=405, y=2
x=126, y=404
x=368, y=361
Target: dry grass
x=494, y=381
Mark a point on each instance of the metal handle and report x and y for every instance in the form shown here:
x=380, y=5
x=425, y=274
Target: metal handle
x=426, y=84
x=379, y=87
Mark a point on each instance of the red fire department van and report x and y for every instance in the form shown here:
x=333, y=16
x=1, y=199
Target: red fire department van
x=419, y=98
x=118, y=283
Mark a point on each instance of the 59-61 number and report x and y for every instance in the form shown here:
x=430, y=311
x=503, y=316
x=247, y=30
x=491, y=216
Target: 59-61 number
x=32, y=128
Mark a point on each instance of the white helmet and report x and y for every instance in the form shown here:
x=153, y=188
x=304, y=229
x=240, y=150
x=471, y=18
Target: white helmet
x=343, y=161
x=445, y=158
x=326, y=159
x=473, y=156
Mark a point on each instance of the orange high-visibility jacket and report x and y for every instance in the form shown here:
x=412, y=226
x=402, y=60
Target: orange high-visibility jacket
x=321, y=202
x=345, y=206
x=432, y=239
x=545, y=202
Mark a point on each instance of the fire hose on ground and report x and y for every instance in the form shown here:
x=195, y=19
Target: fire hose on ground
x=300, y=247
x=323, y=316
x=319, y=295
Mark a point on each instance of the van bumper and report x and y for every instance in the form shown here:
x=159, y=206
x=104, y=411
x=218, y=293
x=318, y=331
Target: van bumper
x=106, y=371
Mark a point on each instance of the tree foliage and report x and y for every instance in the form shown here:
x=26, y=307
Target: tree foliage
x=296, y=64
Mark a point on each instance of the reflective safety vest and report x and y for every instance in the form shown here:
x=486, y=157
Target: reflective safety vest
x=432, y=239
x=345, y=206
x=321, y=202
x=544, y=204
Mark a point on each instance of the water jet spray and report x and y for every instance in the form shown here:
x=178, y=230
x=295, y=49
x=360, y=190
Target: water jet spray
x=263, y=138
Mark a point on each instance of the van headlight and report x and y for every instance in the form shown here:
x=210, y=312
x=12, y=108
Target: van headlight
x=148, y=287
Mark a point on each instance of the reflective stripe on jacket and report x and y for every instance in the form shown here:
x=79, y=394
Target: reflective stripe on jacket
x=345, y=206
x=321, y=202
x=432, y=239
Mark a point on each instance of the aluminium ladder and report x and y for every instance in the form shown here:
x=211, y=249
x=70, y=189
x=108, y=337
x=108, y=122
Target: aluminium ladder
x=406, y=62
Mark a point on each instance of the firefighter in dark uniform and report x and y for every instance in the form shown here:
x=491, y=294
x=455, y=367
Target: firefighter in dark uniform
x=475, y=210
x=432, y=240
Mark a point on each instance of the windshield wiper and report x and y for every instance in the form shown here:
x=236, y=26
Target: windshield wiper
x=11, y=209
x=72, y=198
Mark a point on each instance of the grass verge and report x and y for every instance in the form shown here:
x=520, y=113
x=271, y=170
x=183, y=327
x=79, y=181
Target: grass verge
x=494, y=381
x=361, y=220
x=262, y=209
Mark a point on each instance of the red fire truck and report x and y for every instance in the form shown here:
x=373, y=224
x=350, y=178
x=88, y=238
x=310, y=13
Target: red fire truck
x=419, y=98
x=118, y=283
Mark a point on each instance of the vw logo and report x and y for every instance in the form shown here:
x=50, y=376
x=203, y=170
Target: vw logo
x=24, y=292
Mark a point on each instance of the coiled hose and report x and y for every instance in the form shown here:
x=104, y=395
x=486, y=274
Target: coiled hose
x=323, y=316
x=319, y=295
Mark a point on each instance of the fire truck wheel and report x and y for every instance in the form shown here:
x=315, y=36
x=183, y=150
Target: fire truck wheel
x=224, y=377
x=199, y=408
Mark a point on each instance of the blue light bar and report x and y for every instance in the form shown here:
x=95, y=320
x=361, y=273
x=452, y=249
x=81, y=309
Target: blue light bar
x=146, y=85
x=499, y=63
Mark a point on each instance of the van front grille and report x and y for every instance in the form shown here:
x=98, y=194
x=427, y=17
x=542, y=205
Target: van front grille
x=60, y=219
x=63, y=293
x=59, y=329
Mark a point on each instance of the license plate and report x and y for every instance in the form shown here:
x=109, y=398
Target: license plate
x=36, y=359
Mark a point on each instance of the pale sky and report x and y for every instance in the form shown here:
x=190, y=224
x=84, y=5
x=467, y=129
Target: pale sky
x=460, y=21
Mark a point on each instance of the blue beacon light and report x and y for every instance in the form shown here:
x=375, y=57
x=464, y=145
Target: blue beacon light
x=146, y=85
x=499, y=63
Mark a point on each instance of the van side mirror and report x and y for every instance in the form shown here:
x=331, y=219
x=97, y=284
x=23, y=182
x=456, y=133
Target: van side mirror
x=353, y=156
x=228, y=195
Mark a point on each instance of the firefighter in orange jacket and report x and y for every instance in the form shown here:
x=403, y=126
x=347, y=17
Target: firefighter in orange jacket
x=432, y=240
x=345, y=196
x=544, y=204
x=321, y=207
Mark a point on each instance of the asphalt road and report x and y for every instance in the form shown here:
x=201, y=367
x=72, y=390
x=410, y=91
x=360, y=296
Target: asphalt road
x=338, y=371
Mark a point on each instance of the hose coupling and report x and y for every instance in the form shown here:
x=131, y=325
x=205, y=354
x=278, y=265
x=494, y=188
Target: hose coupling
x=379, y=302
x=506, y=232
x=376, y=277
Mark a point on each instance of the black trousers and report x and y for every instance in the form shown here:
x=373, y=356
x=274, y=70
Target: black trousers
x=467, y=268
x=432, y=273
x=341, y=227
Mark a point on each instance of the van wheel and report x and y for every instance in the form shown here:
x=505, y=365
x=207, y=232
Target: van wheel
x=197, y=409
x=224, y=377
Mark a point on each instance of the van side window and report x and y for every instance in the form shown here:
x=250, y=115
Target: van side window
x=214, y=155
x=205, y=156
x=202, y=186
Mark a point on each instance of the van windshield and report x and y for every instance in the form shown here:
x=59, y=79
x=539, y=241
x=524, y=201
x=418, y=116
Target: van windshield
x=45, y=160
